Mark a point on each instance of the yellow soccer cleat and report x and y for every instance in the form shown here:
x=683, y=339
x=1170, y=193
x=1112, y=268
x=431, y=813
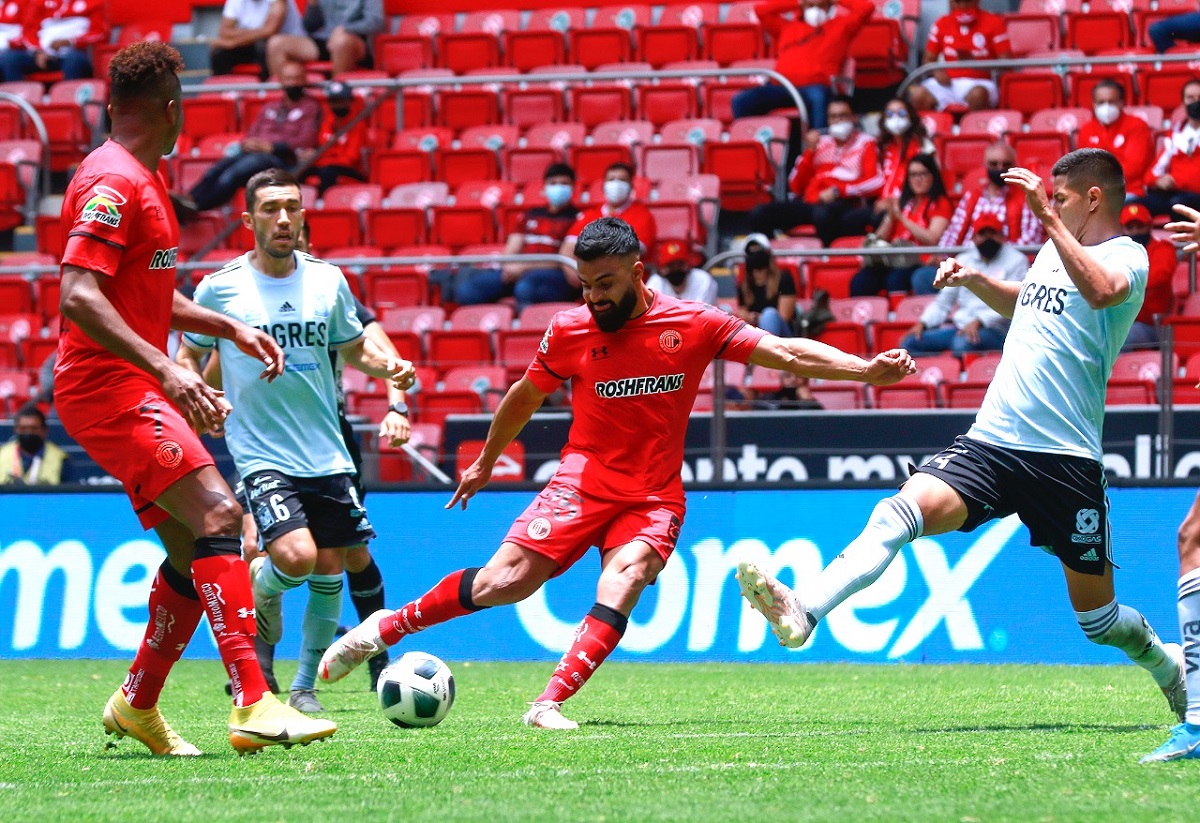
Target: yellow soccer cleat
x=146, y=725
x=271, y=723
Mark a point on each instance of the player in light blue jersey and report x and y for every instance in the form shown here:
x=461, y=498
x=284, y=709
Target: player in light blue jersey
x=1035, y=447
x=1184, y=741
x=287, y=443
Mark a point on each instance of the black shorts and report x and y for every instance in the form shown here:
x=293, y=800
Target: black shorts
x=1062, y=499
x=329, y=507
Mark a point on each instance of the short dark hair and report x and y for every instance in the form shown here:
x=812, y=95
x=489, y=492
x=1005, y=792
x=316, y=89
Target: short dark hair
x=269, y=177
x=31, y=410
x=148, y=69
x=1110, y=84
x=840, y=98
x=559, y=170
x=1192, y=82
x=606, y=237
x=625, y=166
x=1084, y=168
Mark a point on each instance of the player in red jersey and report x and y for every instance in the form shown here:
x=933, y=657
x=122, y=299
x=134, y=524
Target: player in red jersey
x=635, y=359
x=137, y=413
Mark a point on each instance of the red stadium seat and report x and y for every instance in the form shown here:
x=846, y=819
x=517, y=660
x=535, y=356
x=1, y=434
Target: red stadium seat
x=477, y=44
x=675, y=36
x=838, y=397
x=1128, y=393
x=590, y=162
x=1095, y=31
x=592, y=105
x=666, y=101
x=1081, y=84
x=397, y=53
x=396, y=289
x=962, y=154
x=458, y=347
x=1029, y=33
x=516, y=348
x=542, y=42
x=849, y=337
x=457, y=226
x=880, y=54
x=470, y=106
x=531, y=106
x=994, y=123
x=1164, y=86
x=1029, y=91
x=966, y=395
x=909, y=393
x=353, y=197
x=537, y=317
x=433, y=407
x=739, y=37
x=1062, y=120
x=607, y=39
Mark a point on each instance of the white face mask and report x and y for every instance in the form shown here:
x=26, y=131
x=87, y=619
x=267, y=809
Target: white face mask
x=558, y=194
x=896, y=123
x=616, y=192
x=1107, y=113
x=841, y=130
x=815, y=15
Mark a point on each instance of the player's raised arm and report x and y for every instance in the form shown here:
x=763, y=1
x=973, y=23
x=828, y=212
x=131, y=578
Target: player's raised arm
x=1087, y=211
x=1000, y=295
x=811, y=358
x=514, y=411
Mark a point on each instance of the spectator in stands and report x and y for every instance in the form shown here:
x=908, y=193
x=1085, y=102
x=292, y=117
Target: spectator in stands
x=766, y=295
x=813, y=40
x=281, y=128
x=56, y=35
x=1171, y=30
x=1175, y=175
x=1126, y=135
x=30, y=458
x=974, y=326
x=902, y=137
x=677, y=276
x=340, y=31
x=966, y=33
x=918, y=217
x=619, y=201
x=246, y=25
x=1135, y=222
x=831, y=179
x=342, y=162
x=543, y=231
x=10, y=22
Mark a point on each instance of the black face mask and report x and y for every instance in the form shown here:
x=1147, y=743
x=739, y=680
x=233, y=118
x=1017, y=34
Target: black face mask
x=293, y=93
x=341, y=112
x=1144, y=239
x=1193, y=110
x=31, y=443
x=760, y=259
x=676, y=277
x=988, y=248
x=996, y=176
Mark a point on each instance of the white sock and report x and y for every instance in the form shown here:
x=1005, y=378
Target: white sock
x=1189, y=630
x=896, y=521
x=272, y=581
x=1126, y=629
x=319, y=625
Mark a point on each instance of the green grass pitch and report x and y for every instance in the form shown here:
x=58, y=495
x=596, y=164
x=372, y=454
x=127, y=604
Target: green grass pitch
x=656, y=743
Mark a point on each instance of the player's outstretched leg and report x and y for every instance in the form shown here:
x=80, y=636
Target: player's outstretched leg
x=367, y=595
x=449, y=599
x=895, y=521
x=595, y=638
x=1126, y=629
x=316, y=633
x=175, y=612
x=1184, y=741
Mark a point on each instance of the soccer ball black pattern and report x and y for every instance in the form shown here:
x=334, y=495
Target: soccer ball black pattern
x=416, y=690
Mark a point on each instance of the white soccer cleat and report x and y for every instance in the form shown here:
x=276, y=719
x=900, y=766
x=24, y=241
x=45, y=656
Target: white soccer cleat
x=776, y=602
x=1176, y=693
x=268, y=609
x=547, y=714
x=353, y=648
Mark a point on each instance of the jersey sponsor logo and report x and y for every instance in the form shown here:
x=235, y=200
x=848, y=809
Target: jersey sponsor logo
x=538, y=528
x=599, y=352
x=636, y=386
x=169, y=454
x=164, y=258
x=104, y=207
x=670, y=341
x=1087, y=523
x=544, y=346
x=1043, y=298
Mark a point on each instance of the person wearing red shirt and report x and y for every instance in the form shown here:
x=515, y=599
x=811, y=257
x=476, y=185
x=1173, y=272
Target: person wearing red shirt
x=1175, y=176
x=10, y=22
x=343, y=161
x=812, y=48
x=1126, y=135
x=832, y=178
x=635, y=359
x=55, y=36
x=1136, y=222
x=967, y=33
x=137, y=413
x=619, y=201
x=901, y=138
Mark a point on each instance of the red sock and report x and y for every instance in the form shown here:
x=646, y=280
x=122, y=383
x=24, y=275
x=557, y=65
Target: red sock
x=596, y=637
x=173, y=619
x=447, y=600
x=223, y=583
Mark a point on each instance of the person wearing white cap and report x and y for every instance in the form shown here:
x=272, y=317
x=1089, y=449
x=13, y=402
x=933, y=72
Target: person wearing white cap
x=766, y=294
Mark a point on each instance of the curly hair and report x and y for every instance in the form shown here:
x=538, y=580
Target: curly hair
x=145, y=69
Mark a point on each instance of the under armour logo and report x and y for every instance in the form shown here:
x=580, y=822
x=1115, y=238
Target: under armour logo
x=244, y=613
x=599, y=352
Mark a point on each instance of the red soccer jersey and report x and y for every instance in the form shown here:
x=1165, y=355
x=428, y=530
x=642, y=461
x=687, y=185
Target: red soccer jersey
x=986, y=38
x=633, y=390
x=120, y=224
x=635, y=214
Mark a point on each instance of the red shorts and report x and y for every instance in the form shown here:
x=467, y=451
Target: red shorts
x=148, y=446
x=562, y=523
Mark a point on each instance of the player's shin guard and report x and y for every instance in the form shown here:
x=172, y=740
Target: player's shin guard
x=896, y=521
x=175, y=611
x=1126, y=629
x=366, y=590
x=596, y=637
x=1189, y=631
x=449, y=599
x=319, y=625
x=222, y=581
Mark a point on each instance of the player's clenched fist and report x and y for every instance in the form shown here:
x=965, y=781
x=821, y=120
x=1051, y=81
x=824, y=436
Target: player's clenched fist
x=890, y=367
x=401, y=373
x=953, y=273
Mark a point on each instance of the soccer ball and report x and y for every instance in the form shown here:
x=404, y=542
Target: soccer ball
x=416, y=690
